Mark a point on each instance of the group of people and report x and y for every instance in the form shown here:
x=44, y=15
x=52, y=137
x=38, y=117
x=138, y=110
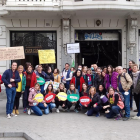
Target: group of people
x=116, y=86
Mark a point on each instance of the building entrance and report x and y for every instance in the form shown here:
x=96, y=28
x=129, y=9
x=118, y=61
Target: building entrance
x=32, y=41
x=99, y=47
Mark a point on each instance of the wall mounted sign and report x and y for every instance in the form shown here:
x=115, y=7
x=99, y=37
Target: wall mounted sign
x=73, y=48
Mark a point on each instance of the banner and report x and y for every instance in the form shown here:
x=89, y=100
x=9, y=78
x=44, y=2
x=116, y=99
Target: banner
x=46, y=56
x=12, y=53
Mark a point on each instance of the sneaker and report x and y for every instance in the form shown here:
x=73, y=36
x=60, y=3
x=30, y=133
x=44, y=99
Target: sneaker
x=17, y=112
x=136, y=118
x=86, y=113
x=118, y=118
x=68, y=110
x=8, y=116
x=107, y=111
x=75, y=110
x=64, y=109
x=136, y=110
x=29, y=111
x=25, y=110
x=32, y=111
x=98, y=114
x=57, y=110
x=126, y=118
x=14, y=112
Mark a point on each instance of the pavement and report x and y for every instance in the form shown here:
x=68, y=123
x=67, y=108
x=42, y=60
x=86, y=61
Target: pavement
x=68, y=126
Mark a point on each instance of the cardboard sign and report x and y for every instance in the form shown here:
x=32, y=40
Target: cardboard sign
x=55, y=85
x=46, y=56
x=73, y=97
x=39, y=97
x=62, y=96
x=12, y=53
x=49, y=97
x=40, y=80
x=73, y=48
x=85, y=100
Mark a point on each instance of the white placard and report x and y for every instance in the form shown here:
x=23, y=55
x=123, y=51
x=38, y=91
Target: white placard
x=73, y=48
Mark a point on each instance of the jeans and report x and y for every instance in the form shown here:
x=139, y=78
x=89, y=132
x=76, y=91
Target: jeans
x=139, y=108
x=115, y=110
x=37, y=109
x=93, y=110
x=11, y=93
x=127, y=104
x=67, y=85
x=25, y=97
x=50, y=106
x=42, y=89
x=131, y=99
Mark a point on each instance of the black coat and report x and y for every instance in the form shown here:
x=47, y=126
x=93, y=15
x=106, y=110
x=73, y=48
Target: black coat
x=49, y=77
x=98, y=80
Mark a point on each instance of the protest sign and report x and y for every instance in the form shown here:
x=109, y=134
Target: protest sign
x=49, y=97
x=46, y=56
x=62, y=96
x=39, y=97
x=73, y=97
x=12, y=53
x=73, y=48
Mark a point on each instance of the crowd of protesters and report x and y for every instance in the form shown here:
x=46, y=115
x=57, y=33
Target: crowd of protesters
x=118, y=85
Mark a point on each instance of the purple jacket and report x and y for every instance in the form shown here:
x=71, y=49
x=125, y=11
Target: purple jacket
x=113, y=80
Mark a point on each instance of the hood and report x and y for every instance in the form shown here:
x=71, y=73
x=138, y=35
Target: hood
x=32, y=89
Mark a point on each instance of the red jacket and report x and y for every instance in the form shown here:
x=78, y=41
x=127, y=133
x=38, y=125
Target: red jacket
x=1, y=82
x=81, y=82
x=33, y=79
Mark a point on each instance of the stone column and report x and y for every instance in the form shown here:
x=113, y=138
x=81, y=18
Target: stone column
x=132, y=38
x=66, y=58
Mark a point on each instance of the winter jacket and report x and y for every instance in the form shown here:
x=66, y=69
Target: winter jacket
x=125, y=80
x=33, y=79
x=86, y=79
x=120, y=102
x=57, y=78
x=43, y=74
x=95, y=100
x=113, y=80
x=23, y=82
x=1, y=82
x=49, y=77
x=98, y=80
x=7, y=75
x=73, y=80
x=137, y=87
x=32, y=95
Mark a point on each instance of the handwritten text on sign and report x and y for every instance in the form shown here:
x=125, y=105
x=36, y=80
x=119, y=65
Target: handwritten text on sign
x=12, y=53
x=46, y=56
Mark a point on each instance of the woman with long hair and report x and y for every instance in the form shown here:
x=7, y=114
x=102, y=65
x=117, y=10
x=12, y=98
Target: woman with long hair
x=72, y=90
x=30, y=82
x=34, y=104
x=58, y=102
x=49, y=76
x=89, y=78
x=84, y=72
x=95, y=106
x=20, y=90
x=111, y=78
x=115, y=104
x=51, y=105
x=56, y=75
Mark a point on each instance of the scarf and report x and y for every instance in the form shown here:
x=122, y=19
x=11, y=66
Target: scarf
x=135, y=78
x=89, y=79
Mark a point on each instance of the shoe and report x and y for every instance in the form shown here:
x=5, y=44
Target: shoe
x=12, y=114
x=64, y=110
x=136, y=110
x=17, y=112
x=29, y=111
x=126, y=118
x=98, y=114
x=75, y=110
x=57, y=110
x=14, y=111
x=107, y=111
x=118, y=118
x=25, y=110
x=86, y=113
x=136, y=118
x=68, y=110
x=8, y=116
x=50, y=110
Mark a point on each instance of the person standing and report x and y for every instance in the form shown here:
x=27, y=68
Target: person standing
x=30, y=83
x=56, y=75
x=66, y=76
x=10, y=79
x=124, y=85
x=0, y=82
x=130, y=67
x=49, y=76
x=20, y=90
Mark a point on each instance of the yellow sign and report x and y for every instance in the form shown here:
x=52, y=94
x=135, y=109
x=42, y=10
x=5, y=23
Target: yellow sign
x=46, y=56
x=62, y=96
x=39, y=97
x=12, y=53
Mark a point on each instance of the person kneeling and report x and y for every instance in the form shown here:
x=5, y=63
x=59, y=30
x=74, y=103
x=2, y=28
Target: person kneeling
x=115, y=104
x=72, y=90
x=34, y=104
x=95, y=105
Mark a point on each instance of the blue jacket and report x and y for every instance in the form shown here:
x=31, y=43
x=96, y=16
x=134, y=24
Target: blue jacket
x=7, y=75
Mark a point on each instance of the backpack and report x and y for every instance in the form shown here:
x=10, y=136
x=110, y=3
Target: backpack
x=121, y=95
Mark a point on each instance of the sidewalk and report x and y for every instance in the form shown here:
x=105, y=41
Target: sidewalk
x=68, y=126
